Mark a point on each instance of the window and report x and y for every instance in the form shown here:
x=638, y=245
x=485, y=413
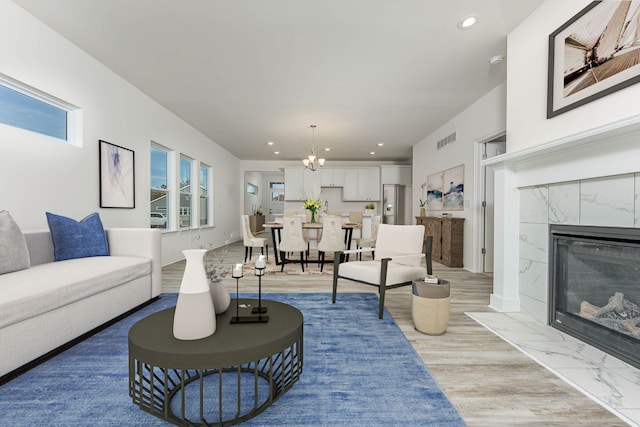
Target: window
x=204, y=194
x=252, y=189
x=185, y=192
x=27, y=108
x=159, y=217
x=277, y=191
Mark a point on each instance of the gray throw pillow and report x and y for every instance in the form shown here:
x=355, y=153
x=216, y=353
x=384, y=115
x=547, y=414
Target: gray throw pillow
x=14, y=254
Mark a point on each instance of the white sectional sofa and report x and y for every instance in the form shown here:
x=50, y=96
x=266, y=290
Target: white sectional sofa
x=51, y=303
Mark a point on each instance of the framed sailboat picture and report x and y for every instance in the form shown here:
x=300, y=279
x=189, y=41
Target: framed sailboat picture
x=595, y=53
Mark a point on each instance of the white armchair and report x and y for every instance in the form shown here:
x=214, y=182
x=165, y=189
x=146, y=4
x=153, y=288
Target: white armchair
x=397, y=261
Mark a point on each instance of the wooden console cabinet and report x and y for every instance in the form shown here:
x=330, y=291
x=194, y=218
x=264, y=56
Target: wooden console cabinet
x=447, y=238
x=256, y=223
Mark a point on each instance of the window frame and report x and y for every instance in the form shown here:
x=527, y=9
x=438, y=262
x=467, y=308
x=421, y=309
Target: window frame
x=208, y=199
x=167, y=211
x=185, y=210
x=73, y=113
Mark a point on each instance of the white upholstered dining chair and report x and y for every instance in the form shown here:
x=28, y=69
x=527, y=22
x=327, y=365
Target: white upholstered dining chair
x=370, y=242
x=292, y=241
x=332, y=239
x=397, y=261
x=250, y=241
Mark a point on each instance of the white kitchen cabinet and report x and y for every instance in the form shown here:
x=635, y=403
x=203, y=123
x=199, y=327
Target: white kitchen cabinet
x=312, y=182
x=333, y=177
x=293, y=183
x=350, y=188
x=369, y=184
x=299, y=182
x=361, y=184
x=395, y=174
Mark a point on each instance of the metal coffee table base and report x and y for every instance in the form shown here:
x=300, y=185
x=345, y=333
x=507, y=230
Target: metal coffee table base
x=215, y=395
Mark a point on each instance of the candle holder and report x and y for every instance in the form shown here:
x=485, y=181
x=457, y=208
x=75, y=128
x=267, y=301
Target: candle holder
x=237, y=274
x=259, y=271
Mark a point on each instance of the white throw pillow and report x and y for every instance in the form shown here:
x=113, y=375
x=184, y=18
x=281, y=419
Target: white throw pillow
x=14, y=254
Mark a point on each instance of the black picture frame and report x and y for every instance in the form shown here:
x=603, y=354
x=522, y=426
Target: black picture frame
x=117, y=176
x=587, y=62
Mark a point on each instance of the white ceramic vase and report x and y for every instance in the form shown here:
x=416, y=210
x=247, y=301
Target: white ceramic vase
x=220, y=297
x=195, y=316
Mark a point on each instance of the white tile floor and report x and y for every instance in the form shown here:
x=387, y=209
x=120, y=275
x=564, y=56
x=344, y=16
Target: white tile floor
x=608, y=381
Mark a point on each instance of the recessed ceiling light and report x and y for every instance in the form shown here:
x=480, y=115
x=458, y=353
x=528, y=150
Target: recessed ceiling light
x=467, y=21
x=270, y=143
x=327, y=149
x=372, y=153
x=276, y=152
x=380, y=144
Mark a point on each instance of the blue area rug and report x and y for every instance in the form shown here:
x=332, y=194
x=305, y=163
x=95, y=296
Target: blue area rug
x=358, y=370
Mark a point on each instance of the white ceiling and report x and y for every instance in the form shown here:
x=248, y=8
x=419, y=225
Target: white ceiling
x=245, y=72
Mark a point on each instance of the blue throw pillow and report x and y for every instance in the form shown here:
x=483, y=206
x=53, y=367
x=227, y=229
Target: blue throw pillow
x=73, y=239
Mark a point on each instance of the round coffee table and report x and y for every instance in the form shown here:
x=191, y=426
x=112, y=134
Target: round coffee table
x=161, y=366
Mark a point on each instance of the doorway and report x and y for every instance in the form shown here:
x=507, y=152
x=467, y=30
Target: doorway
x=492, y=146
x=276, y=200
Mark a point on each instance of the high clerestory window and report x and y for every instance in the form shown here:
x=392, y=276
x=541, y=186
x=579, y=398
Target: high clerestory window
x=27, y=108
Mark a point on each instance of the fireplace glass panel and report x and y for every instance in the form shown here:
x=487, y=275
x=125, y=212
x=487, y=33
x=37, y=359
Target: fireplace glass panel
x=595, y=287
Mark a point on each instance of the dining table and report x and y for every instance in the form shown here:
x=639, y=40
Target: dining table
x=276, y=227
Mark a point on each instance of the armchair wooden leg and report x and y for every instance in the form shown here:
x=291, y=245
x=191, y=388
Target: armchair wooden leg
x=337, y=257
x=382, y=285
x=246, y=252
x=283, y=259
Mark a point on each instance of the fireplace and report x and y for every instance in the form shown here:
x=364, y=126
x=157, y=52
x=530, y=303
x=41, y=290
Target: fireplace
x=594, y=279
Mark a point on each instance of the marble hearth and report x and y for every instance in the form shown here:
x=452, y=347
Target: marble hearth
x=610, y=382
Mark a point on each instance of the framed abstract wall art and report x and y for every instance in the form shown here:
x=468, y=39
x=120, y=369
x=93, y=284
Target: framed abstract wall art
x=434, y=192
x=117, y=176
x=593, y=54
x=453, y=189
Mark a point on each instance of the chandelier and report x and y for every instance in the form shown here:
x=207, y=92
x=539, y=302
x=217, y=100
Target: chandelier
x=310, y=160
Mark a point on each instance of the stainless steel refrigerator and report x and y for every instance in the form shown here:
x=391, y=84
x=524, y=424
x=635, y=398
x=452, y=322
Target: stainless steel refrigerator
x=393, y=204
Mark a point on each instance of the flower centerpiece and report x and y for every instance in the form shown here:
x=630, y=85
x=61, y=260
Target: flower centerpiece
x=312, y=204
x=423, y=200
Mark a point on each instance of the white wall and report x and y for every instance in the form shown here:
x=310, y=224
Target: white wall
x=485, y=117
x=40, y=174
x=593, y=143
x=527, y=53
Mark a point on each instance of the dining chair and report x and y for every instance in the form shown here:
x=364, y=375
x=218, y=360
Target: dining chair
x=250, y=241
x=370, y=242
x=356, y=217
x=397, y=261
x=292, y=241
x=332, y=239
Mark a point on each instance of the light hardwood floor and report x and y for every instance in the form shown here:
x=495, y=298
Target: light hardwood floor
x=488, y=381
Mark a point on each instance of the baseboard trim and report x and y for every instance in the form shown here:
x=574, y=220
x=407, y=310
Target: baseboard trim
x=35, y=362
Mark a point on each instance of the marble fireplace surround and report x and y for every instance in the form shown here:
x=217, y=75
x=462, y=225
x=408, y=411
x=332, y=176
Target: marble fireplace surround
x=590, y=178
